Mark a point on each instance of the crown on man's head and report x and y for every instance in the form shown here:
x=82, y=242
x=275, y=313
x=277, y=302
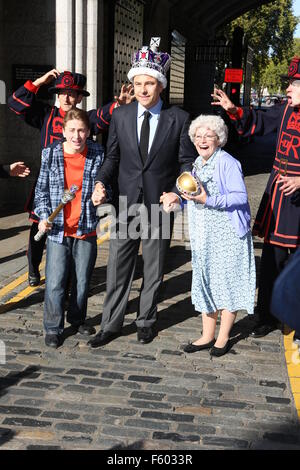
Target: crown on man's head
x=149, y=61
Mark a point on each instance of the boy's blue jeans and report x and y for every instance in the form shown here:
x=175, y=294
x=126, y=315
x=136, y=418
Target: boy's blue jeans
x=78, y=258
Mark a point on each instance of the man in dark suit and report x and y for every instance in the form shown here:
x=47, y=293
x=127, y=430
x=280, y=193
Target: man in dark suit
x=148, y=147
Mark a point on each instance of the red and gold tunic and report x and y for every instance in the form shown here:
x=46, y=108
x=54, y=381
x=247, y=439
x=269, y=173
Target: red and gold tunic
x=49, y=120
x=278, y=216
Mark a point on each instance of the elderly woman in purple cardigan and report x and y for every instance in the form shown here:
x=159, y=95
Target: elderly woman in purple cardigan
x=222, y=249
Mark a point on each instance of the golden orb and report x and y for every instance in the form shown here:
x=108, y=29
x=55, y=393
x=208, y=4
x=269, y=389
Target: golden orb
x=187, y=183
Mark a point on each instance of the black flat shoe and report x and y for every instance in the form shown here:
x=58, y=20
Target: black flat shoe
x=191, y=348
x=145, y=335
x=218, y=352
x=102, y=338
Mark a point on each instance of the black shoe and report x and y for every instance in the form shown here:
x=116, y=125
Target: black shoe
x=261, y=330
x=52, y=341
x=218, y=352
x=145, y=334
x=191, y=348
x=85, y=329
x=296, y=338
x=34, y=280
x=102, y=338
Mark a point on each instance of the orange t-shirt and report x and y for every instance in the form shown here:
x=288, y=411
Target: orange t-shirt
x=74, y=167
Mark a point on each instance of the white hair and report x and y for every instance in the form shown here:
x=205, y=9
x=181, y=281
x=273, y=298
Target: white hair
x=147, y=71
x=212, y=122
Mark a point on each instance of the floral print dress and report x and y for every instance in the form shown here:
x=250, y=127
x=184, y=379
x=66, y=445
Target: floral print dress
x=223, y=263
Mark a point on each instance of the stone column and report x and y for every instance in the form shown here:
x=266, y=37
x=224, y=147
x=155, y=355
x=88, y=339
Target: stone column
x=76, y=42
x=65, y=59
x=2, y=67
x=91, y=52
x=79, y=36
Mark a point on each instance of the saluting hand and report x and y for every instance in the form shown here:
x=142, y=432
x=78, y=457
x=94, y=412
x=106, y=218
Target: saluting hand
x=47, y=78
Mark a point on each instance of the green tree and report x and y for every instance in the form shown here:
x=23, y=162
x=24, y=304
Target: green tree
x=271, y=77
x=269, y=30
x=297, y=46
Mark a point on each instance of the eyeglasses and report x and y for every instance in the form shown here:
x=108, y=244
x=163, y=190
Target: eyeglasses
x=206, y=137
x=295, y=83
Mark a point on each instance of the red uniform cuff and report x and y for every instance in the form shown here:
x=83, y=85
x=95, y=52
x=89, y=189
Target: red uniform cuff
x=113, y=106
x=30, y=86
x=238, y=115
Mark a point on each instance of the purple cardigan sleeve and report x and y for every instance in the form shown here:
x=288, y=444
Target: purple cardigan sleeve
x=230, y=180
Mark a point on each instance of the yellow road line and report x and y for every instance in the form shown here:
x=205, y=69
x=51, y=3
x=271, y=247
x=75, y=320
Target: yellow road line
x=292, y=358
x=12, y=285
x=10, y=304
x=17, y=282
x=29, y=290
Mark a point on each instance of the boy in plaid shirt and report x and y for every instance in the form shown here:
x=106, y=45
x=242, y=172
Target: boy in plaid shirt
x=72, y=236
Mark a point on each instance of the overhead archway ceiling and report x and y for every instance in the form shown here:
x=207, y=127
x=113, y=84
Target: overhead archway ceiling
x=201, y=18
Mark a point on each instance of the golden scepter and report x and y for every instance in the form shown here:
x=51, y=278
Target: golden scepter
x=68, y=196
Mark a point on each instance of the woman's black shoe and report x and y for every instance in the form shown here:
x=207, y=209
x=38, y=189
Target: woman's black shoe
x=218, y=352
x=191, y=348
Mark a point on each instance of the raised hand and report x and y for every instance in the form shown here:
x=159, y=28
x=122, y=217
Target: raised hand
x=19, y=169
x=221, y=99
x=47, y=78
x=126, y=95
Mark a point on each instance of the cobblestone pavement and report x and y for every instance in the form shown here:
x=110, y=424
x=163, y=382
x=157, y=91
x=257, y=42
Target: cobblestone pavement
x=126, y=395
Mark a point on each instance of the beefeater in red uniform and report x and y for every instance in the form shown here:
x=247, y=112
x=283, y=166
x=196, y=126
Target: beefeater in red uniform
x=278, y=216
x=48, y=119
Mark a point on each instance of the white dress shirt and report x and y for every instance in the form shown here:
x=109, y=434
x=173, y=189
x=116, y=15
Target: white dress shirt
x=153, y=120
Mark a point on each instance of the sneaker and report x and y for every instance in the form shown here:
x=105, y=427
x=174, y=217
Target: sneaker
x=261, y=330
x=52, y=341
x=34, y=280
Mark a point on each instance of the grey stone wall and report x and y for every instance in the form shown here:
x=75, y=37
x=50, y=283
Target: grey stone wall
x=27, y=36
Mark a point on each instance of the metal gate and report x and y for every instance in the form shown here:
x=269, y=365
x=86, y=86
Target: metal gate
x=248, y=75
x=177, y=69
x=129, y=19
x=215, y=54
